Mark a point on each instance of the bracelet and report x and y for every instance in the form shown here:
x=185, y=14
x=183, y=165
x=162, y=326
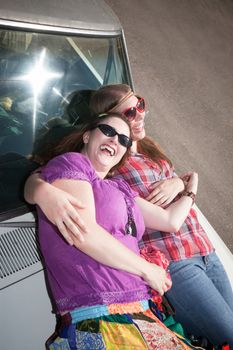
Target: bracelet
x=189, y=194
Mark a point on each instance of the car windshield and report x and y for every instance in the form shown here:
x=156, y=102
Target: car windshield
x=39, y=73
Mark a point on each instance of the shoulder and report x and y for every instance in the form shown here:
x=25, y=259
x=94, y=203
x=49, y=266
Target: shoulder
x=70, y=165
x=70, y=160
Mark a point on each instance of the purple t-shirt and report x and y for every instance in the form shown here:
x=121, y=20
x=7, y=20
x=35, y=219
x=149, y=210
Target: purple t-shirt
x=75, y=278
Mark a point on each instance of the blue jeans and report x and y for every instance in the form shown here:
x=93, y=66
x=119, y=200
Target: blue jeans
x=202, y=297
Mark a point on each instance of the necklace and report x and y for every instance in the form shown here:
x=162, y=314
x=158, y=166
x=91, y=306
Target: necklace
x=130, y=227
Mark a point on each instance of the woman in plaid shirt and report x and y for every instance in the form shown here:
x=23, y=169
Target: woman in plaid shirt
x=201, y=293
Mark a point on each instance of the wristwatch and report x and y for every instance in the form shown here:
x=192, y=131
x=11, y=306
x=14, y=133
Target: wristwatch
x=190, y=194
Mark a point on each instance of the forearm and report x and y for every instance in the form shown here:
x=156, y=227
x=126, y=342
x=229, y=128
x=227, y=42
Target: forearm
x=103, y=247
x=164, y=191
x=178, y=211
x=171, y=218
x=32, y=188
x=109, y=251
x=167, y=220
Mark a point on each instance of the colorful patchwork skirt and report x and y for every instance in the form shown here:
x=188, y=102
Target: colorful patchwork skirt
x=131, y=326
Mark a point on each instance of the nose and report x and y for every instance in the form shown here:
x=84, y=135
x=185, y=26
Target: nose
x=140, y=116
x=114, y=139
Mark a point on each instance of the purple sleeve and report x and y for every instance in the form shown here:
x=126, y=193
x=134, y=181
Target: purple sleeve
x=70, y=165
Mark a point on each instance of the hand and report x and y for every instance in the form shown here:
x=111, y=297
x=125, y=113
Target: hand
x=191, y=179
x=60, y=208
x=157, y=278
x=164, y=191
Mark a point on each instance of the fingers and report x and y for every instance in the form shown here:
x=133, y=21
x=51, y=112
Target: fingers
x=191, y=181
x=161, y=200
x=160, y=291
x=163, y=283
x=188, y=175
x=74, y=218
x=155, y=188
x=155, y=195
x=168, y=283
x=165, y=286
x=70, y=230
x=161, y=191
x=166, y=202
x=68, y=220
x=63, y=230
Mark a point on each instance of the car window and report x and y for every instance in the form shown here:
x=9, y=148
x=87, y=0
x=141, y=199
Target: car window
x=39, y=74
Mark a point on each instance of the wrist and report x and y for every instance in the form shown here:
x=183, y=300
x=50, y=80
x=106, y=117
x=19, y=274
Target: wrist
x=145, y=268
x=191, y=194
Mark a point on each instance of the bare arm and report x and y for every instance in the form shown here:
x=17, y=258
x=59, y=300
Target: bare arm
x=98, y=241
x=171, y=218
x=57, y=205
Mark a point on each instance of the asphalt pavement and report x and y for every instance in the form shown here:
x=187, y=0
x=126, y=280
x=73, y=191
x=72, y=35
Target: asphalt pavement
x=181, y=55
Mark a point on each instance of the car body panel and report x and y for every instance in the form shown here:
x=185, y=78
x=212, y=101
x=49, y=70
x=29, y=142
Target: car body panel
x=84, y=16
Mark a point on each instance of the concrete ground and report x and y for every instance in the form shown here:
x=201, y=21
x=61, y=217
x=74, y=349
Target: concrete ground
x=181, y=55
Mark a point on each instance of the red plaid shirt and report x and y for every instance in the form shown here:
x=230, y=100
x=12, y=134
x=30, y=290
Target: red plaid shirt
x=191, y=240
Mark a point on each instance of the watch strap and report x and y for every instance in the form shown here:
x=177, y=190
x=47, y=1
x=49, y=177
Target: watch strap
x=190, y=194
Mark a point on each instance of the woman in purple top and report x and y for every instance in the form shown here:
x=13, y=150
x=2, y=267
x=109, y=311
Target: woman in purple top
x=101, y=286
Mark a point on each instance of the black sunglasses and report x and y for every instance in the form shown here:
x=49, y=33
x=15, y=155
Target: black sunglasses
x=109, y=131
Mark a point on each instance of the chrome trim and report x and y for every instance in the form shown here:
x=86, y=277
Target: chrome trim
x=127, y=61
x=65, y=30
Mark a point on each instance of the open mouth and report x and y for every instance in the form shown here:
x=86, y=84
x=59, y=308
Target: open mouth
x=107, y=150
x=139, y=127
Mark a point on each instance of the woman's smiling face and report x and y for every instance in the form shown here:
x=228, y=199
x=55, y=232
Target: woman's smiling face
x=103, y=151
x=137, y=125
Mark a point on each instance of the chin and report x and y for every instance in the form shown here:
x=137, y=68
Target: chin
x=137, y=136
x=106, y=162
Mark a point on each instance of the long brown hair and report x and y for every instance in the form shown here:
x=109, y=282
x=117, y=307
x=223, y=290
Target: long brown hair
x=108, y=98
x=73, y=142
x=149, y=148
